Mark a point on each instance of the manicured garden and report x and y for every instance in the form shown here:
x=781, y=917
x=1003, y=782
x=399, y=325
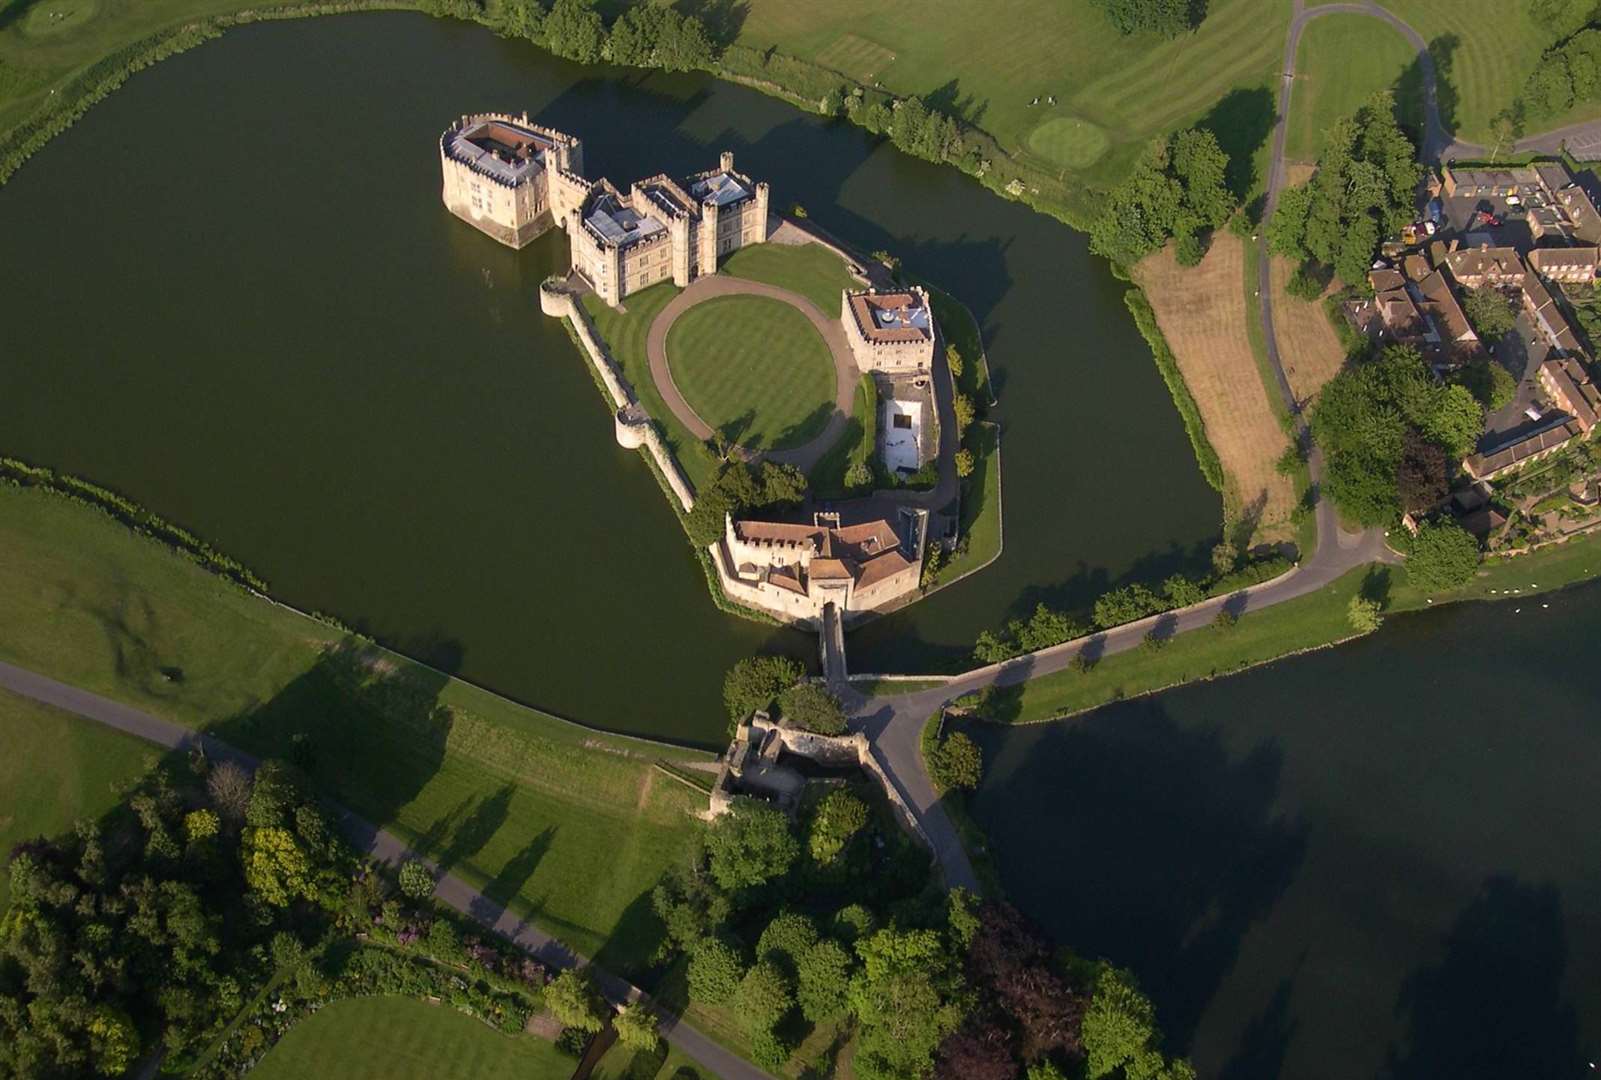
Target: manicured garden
x=811, y=270
x=505, y=795
x=754, y=369
x=55, y=769
x=399, y=1038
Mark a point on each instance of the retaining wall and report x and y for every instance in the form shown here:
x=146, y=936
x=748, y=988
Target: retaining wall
x=558, y=303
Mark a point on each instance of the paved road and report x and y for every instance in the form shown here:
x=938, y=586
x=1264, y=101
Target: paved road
x=368, y=838
x=846, y=374
x=895, y=724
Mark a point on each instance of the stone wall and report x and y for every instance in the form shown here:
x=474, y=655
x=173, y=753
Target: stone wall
x=559, y=303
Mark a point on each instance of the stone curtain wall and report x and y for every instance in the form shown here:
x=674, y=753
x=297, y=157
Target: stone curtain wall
x=558, y=303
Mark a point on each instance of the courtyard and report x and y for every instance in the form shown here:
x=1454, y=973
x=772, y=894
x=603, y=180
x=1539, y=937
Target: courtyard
x=754, y=369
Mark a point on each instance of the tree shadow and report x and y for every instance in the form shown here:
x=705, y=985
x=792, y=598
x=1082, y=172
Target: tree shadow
x=1244, y=526
x=638, y=932
x=1242, y=122
x=1215, y=853
x=808, y=427
x=723, y=19
x=1376, y=585
x=1493, y=1005
x=948, y=99
x=366, y=727
x=1443, y=50
x=1265, y=1041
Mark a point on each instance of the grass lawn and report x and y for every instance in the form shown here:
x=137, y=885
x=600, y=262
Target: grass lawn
x=506, y=795
x=891, y=687
x=56, y=768
x=981, y=507
x=397, y=1038
x=989, y=62
x=827, y=478
x=809, y=269
x=624, y=334
x=1342, y=60
x=619, y=1063
x=755, y=369
x=1485, y=52
x=1303, y=623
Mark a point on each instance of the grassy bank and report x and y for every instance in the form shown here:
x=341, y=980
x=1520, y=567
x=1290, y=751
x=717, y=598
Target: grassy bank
x=981, y=518
x=1205, y=456
x=1342, y=61
x=855, y=445
x=511, y=798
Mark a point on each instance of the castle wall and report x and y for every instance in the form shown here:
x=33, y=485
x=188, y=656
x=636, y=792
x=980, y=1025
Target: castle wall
x=561, y=304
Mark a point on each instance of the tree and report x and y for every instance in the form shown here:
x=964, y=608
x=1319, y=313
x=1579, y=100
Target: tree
x=903, y=1000
x=750, y=845
x=1178, y=189
x=978, y=1050
x=229, y=788
x=1170, y=18
x=113, y=1040
x=1490, y=311
x=764, y=996
x=964, y=463
x=201, y=825
x=1182, y=592
x=416, y=880
x=822, y=975
x=786, y=938
x=1490, y=383
x=653, y=35
x=1361, y=191
x=965, y=412
x=275, y=867
x=1119, y=1029
x=575, y=30
x=637, y=1028
x=1441, y=556
x=1364, y=615
x=1421, y=478
x=753, y=684
x=1455, y=419
x=573, y=999
x=858, y=475
x=518, y=18
x=714, y=972
x=956, y=763
x=812, y=707
x=839, y=816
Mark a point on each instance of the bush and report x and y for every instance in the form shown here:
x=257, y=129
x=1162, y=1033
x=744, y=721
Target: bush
x=416, y=880
x=1491, y=312
x=1364, y=615
x=769, y=1050
x=715, y=969
x=964, y=463
x=1308, y=282
x=839, y=816
x=637, y=1028
x=764, y=997
x=573, y=999
x=956, y=762
x=1441, y=556
x=813, y=708
x=755, y=683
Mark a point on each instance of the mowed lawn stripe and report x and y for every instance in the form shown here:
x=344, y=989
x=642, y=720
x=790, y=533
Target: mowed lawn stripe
x=754, y=368
x=396, y=1038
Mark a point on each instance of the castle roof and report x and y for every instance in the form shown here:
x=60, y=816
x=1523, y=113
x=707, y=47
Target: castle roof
x=892, y=316
x=503, y=150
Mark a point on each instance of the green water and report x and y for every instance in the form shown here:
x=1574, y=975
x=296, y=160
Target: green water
x=232, y=293
x=1375, y=861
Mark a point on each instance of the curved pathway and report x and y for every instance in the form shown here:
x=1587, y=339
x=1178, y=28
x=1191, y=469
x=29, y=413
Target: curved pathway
x=377, y=843
x=895, y=724
x=846, y=374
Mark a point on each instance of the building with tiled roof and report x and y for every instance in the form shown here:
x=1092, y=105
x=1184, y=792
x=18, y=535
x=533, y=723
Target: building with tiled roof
x=795, y=570
x=1571, y=390
x=1474, y=268
x=1565, y=264
x=1451, y=332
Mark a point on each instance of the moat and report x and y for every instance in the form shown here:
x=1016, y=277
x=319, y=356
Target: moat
x=274, y=335
x=256, y=338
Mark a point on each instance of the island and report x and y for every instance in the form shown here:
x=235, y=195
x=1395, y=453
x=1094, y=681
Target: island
x=755, y=370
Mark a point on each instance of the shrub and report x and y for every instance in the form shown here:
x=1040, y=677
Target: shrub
x=810, y=706
x=964, y=463
x=853, y=921
x=1490, y=311
x=956, y=762
x=1225, y=619
x=637, y=1028
x=573, y=999
x=715, y=969
x=1441, y=556
x=1308, y=282
x=416, y=881
x=750, y=845
x=754, y=683
x=764, y=997
x=822, y=979
x=839, y=816
x=786, y=938
x=1363, y=614
x=769, y=1050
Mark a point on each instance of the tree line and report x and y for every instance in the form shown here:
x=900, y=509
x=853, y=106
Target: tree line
x=1178, y=190
x=837, y=920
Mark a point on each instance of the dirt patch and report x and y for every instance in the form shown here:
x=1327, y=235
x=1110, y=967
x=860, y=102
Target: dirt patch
x=646, y=782
x=1202, y=313
x=1308, y=346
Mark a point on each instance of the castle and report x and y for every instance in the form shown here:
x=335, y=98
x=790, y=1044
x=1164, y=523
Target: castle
x=513, y=179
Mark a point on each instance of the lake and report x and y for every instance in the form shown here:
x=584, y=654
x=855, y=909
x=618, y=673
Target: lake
x=235, y=296
x=1379, y=860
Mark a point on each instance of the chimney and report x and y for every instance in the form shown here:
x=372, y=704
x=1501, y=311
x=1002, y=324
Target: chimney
x=726, y=162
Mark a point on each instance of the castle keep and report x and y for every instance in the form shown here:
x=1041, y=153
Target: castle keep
x=513, y=180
